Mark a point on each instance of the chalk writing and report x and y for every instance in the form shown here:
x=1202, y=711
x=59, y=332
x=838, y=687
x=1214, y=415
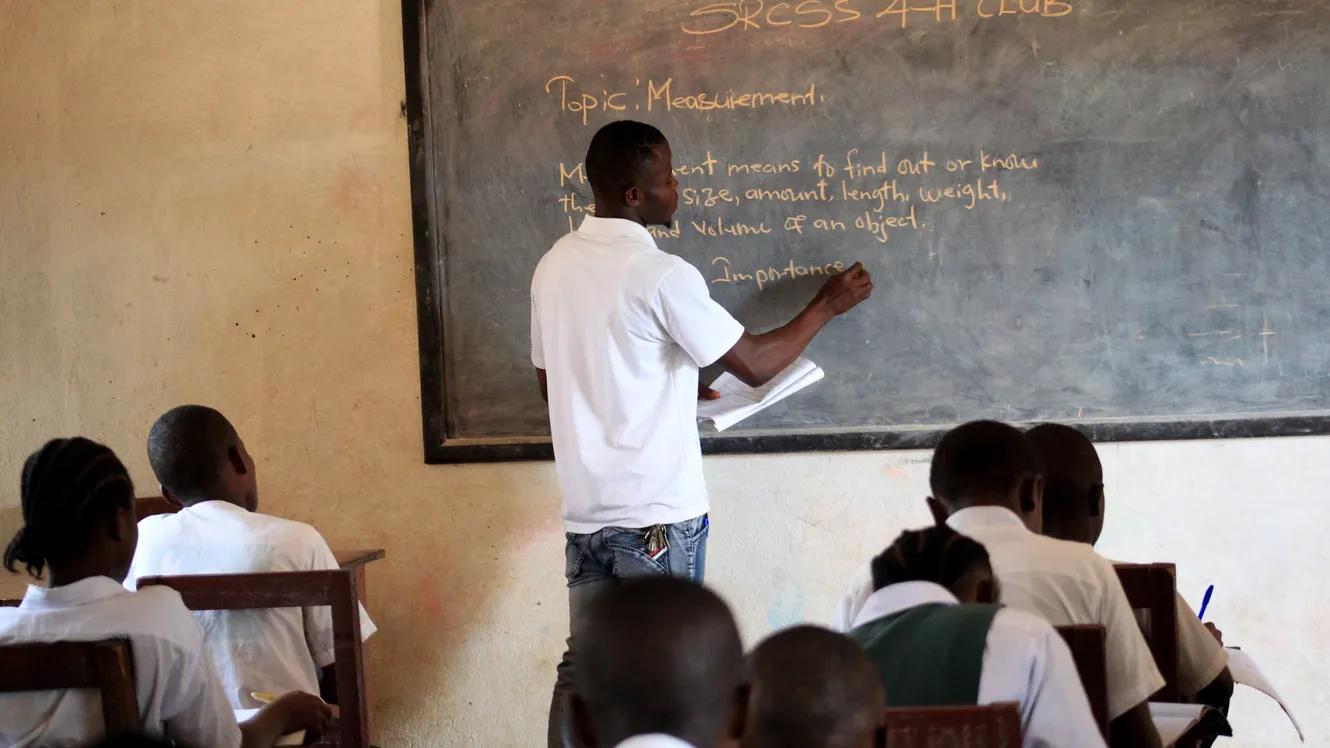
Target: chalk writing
x=709, y=17
x=726, y=274
x=667, y=95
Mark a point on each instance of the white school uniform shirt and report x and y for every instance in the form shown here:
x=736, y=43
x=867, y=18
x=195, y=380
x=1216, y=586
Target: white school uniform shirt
x=654, y=740
x=1065, y=583
x=621, y=329
x=1025, y=661
x=272, y=649
x=179, y=696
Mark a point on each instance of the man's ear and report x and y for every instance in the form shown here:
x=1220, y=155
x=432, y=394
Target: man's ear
x=237, y=462
x=739, y=717
x=632, y=196
x=171, y=498
x=577, y=721
x=118, y=524
x=938, y=510
x=1032, y=501
x=1096, y=499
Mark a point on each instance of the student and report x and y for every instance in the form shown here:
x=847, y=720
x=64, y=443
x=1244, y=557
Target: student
x=619, y=330
x=987, y=485
x=203, y=467
x=938, y=638
x=812, y=688
x=1074, y=510
x=661, y=666
x=78, y=525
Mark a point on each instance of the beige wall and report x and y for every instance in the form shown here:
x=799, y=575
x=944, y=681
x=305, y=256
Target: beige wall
x=208, y=202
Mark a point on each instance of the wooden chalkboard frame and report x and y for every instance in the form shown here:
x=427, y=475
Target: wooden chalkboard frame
x=441, y=448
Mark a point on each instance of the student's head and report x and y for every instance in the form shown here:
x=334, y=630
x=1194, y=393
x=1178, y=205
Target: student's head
x=631, y=173
x=942, y=556
x=986, y=463
x=78, y=513
x=658, y=655
x=197, y=456
x=812, y=688
x=1073, y=483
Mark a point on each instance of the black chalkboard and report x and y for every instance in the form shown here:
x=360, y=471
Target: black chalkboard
x=1108, y=213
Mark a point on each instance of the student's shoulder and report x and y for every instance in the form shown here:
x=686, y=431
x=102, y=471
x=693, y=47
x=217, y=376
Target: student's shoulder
x=286, y=531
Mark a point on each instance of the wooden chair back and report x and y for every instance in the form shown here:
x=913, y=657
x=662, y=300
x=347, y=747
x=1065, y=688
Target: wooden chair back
x=297, y=589
x=150, y=505
x=106, y=665
x=1087, y=642
x=1153, y=589
x=990, y=726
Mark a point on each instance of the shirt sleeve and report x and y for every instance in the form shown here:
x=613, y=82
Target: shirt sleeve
x=537, y=340
x=318, y=619
x=1055, y=711
x=860, y=589
x=1131, y=670
x=1200, y=656
x=692, y=318
x=194, y=706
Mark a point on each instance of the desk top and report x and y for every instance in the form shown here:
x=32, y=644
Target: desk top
x=12, y=586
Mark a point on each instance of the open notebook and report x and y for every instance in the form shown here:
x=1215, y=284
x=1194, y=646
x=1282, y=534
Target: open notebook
x=739, y=401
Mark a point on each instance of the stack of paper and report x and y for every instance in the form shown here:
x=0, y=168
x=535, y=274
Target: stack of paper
x=1245, y=671
x=1174, y=720
x=738, y=400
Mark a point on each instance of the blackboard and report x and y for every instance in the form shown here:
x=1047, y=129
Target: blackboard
x=1106, y=213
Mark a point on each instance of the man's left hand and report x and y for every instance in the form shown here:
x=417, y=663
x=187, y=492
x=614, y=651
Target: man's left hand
x=706, y=393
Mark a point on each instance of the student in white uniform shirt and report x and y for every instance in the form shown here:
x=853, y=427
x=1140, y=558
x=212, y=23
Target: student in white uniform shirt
x=812, y=688
x=661, y=667
x=78, y=527
x=1074, y=510
x=202, y=466
x=619, y=331
x=938, y=638
x=987, y=485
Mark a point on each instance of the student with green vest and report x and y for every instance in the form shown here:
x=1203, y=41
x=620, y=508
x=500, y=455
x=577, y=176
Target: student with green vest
x=935, y=631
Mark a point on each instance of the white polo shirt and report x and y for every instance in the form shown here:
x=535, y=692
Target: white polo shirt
x=654, y=740
x=178, y=692
x=272, y=649
x=1065, y=583
x=621, y=329
x=1025, y=661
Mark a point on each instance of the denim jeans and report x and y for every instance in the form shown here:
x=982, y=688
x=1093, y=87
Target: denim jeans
x=593, y=562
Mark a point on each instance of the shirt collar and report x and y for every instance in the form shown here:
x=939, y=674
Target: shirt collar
x=984, y=517
x=214, y=505
x=82, y=592
x=894, y=598
x=620, y=228
x=654, y=740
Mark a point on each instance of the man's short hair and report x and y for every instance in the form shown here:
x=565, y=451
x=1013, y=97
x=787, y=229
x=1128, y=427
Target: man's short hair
x=619, y=155
x=812, y=688
x=187, y=448
x=980, y=457
x=1073, y=475
x=658, y=655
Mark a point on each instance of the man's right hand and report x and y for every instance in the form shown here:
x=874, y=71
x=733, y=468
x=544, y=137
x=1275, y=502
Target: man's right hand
x=843, y=291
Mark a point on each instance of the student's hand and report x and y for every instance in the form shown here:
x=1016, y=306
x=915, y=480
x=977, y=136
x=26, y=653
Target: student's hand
x=1216, y=633
x=844, y=291
x=706, y=393
x=303, y=711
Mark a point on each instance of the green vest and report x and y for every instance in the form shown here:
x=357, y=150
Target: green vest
x=929, y=655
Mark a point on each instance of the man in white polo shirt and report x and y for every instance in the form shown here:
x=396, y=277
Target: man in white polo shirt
x=987, y=485
x=619, y=330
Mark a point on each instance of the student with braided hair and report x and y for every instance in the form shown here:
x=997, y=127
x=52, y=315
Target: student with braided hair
x=79, y=530
x=938, y=637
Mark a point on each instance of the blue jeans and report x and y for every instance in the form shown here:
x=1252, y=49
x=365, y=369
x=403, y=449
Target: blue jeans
x=593, y=562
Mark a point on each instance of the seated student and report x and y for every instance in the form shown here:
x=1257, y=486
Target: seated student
x=78, y=524
x=938, y=638
x=987, y=485
x=812, y=688
x=202, y=466
x=661, y=666
x=1074, y=510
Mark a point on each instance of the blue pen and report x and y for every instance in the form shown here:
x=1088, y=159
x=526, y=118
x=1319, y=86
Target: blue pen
x=1205, y=601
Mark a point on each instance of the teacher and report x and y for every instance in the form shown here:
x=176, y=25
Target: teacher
x=619, y=330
